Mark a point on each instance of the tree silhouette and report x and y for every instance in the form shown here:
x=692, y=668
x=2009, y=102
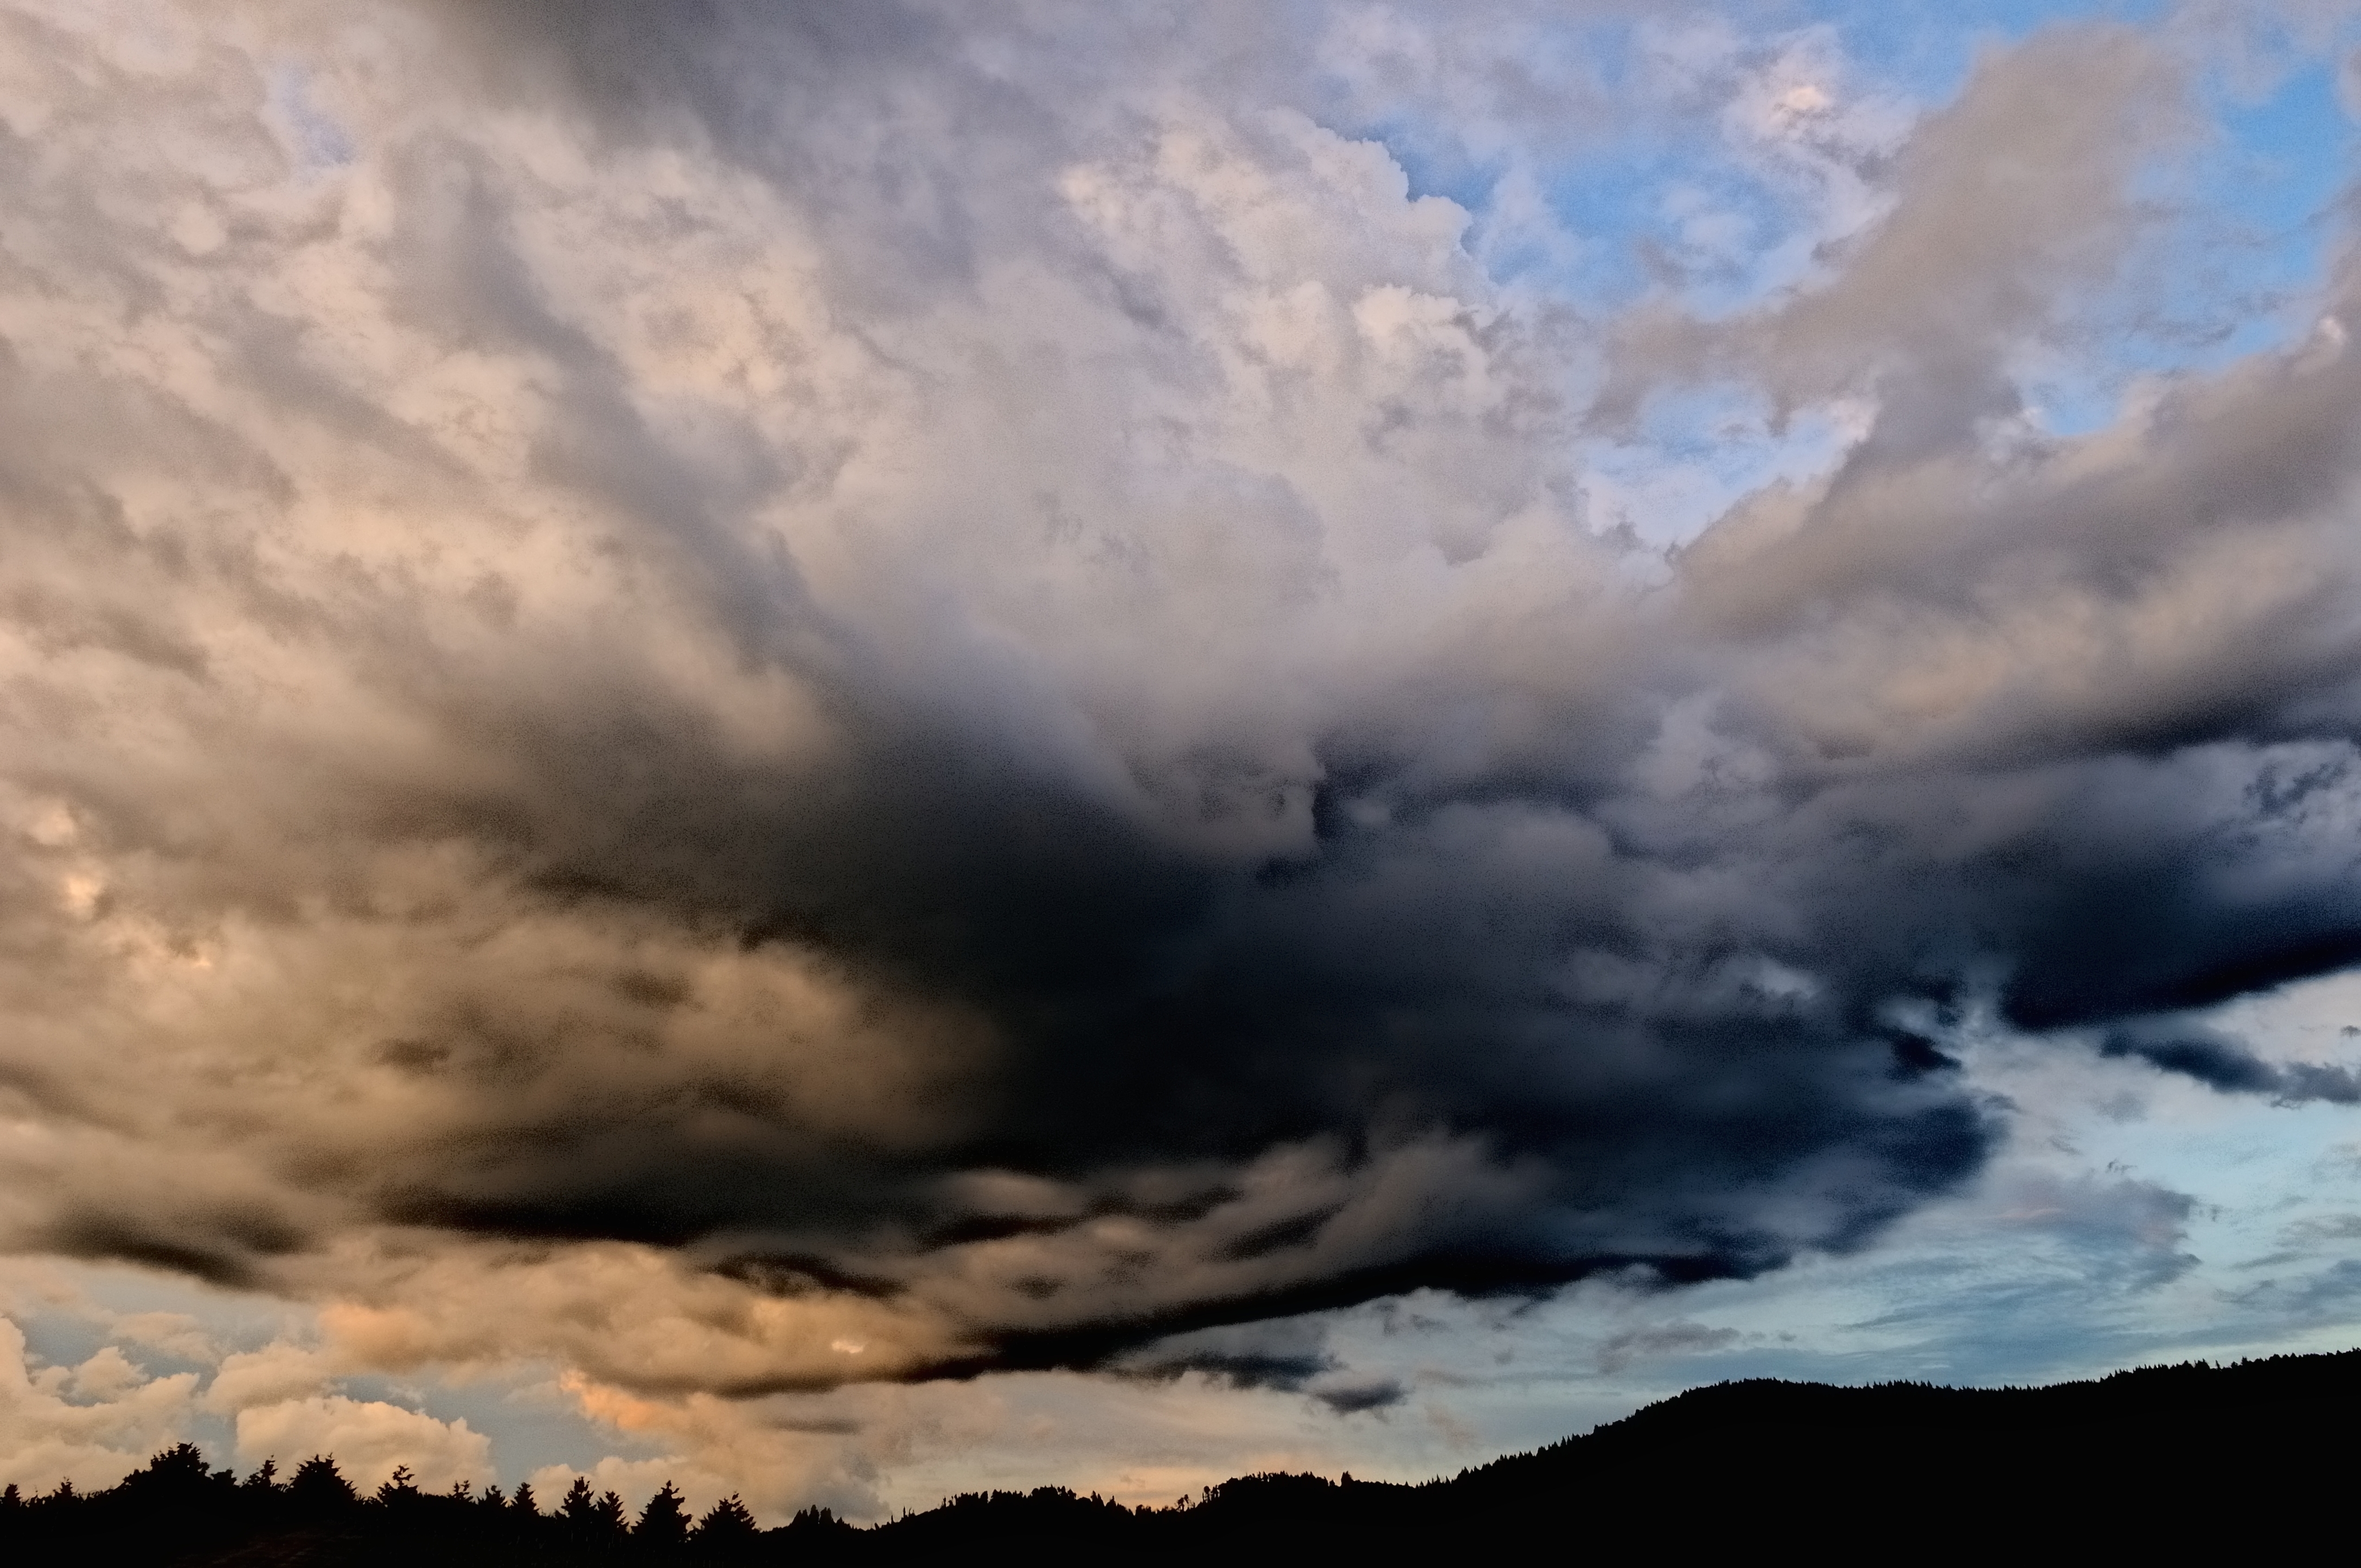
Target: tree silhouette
x=578, y=1507
x=727, y=1533
x=178, y=1484
x=399, y=1489
x=319, y=1491
x=593, y=1526
x=176, y=1478
x=663, y=1523
x=525, y=1502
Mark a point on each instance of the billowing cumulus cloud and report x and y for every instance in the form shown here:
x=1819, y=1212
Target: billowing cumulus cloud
x=747, y=697
x=369, y=1438
x=98, y=1420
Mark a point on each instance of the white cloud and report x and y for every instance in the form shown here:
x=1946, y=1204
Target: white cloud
x=92, y=1423
x=277, y=1373
x=174, y=1334
x=368, y=1439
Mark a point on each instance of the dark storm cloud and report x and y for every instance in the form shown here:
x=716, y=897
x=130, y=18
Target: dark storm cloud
x=1069, y=779
x=2221, y=1062
x=1357, y=1399
x=219, y=1248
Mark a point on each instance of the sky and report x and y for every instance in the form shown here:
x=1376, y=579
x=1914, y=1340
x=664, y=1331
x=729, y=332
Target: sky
x=852, y=749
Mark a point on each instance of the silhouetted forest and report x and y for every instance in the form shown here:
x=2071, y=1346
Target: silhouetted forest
x=2163, y=1456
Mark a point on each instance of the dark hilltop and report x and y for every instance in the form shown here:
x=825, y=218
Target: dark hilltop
x=2162, y=1457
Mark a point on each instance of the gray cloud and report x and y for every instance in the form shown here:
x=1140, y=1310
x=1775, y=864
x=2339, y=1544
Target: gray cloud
x=2221, y=1062
x=816, y=694
x=2326, y=1294
x=1621, y=1350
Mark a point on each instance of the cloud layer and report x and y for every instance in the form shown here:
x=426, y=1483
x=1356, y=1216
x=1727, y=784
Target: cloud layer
x=792, y=694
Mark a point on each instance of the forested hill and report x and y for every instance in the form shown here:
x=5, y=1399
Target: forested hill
x=2162, y=1456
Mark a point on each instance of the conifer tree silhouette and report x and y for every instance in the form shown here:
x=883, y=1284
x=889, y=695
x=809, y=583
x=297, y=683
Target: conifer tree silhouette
x=176, y=1492
x=525, y=1502
x=593, y=1526
x=399, y=1489
x=577, y=1506
x=663, y=1523
x=319, y=1492
x=727, y=1533
x=173, y=1477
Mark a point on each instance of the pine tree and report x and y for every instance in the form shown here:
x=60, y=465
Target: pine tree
x=577, y=1506
x=594, y=1525
x=525, y=1502
x=727, y=1530
x=319, y=1489
x=401, y=1487
x=266, y=1478
x=179, y=1485
x=177, y=1470
x=663, y=1523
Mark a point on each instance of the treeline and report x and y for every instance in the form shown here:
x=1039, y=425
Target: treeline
x=180, y=1510
x=2173, y=1458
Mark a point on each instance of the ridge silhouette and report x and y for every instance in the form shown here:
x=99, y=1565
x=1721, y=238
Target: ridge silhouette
x=2159, y=1456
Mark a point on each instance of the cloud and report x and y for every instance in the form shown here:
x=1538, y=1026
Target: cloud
x=1356, y=1398
x=2326, y=1227
x=778, y=1457
x=2323, y=1296
x=276, y=1374
x=2117, y=1227
x=833, y=701
x=92, y=1423
x=2005, y=209
x=1682, y=1338
x=2220, y=1062
x=1286, y=1355
x=369, y=1438
x=174, y=1334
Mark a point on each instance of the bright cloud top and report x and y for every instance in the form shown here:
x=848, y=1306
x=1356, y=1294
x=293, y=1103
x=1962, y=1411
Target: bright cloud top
x=761, y=697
